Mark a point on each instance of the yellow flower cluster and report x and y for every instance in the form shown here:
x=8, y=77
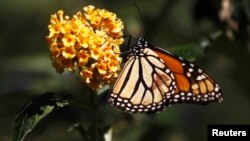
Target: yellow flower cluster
x=89, y=42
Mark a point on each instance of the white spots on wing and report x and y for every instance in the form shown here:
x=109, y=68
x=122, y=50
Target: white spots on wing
x=199, y=78
x=171, y=88
x=175, y=100
x=159, y=106
x=129, y=104
x=199, y=70
x=190, y=70
x=167, y=70
x=172, y=76
x=189, y=94
x=176, y=96
x=168, y=97
x=203, y=76
x=173, y=83
x=216, y=89
x=153, y=108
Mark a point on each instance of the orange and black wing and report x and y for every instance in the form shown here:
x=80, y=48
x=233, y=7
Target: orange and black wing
x=144, y=85
x=193, y=84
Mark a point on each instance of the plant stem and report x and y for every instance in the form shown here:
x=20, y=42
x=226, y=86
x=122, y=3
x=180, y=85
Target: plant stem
x=95, y=134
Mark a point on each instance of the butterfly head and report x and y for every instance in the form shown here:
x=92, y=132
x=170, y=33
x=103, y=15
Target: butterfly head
x=142, y=42
x=138, y=48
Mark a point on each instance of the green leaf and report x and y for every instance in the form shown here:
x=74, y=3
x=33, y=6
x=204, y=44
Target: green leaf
x=192, y=51
x=34, y=111
x=189, y=51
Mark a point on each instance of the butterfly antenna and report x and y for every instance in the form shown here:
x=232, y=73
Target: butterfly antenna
x=142, y=20
x=128, y=46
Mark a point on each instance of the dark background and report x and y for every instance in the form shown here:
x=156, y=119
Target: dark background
x=26, y=69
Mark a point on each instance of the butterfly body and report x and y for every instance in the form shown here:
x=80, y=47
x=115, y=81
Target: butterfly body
x=153, y=78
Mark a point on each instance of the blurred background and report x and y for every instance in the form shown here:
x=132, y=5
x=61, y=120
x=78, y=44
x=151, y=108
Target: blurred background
x=214, y=34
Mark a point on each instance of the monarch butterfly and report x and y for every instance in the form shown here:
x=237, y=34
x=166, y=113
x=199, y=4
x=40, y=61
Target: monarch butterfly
x=152, y=79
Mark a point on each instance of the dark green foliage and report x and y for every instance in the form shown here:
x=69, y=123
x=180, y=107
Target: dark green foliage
x=188, y=51
x=36, y=110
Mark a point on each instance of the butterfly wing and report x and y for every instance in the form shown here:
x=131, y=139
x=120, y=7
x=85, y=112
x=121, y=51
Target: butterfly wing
x=193, y=84
x=145, y=84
